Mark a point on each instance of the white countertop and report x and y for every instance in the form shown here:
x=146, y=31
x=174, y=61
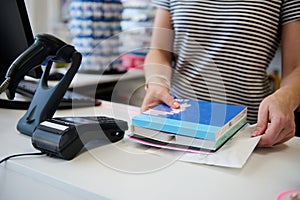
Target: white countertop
x=121, y=171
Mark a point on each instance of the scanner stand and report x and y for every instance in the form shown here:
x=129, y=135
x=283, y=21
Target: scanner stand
x=46, y=99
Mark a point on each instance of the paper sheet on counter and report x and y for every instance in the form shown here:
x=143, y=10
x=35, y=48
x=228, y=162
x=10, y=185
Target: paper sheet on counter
x=234, y=153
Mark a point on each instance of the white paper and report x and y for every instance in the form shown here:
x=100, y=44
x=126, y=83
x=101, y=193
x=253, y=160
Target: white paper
x=234, y=153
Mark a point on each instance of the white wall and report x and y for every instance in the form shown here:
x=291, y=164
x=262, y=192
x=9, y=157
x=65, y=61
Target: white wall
x=38, y=14
x=44, y=16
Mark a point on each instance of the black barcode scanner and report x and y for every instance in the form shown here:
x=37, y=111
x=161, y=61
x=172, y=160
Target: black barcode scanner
x=44, y=47
x=46, y=99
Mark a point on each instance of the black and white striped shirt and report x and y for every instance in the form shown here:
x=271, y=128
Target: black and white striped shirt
x=222, y=48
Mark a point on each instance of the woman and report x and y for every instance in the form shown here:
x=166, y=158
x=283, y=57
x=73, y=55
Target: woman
x=219, y=50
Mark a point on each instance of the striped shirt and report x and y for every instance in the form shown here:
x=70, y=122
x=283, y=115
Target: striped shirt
x=222, y=48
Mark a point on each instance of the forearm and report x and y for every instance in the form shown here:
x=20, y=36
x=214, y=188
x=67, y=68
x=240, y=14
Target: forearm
x=290, y=81
x=157, y=65
x=157, y=68
x=158, y=73
x=290, y=88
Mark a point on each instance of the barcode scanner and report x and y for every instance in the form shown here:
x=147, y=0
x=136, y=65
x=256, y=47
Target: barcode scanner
x=44, y=47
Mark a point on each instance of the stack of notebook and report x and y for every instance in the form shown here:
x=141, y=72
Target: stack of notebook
x=196, y=126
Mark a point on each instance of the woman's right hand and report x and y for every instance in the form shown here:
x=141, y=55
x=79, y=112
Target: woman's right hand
x=157, y=94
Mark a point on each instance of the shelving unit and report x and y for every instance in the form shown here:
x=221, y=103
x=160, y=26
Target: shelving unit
x=94, y=26
x=137, y=22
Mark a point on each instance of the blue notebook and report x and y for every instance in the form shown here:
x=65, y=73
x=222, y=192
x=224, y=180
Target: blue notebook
x=195, y=118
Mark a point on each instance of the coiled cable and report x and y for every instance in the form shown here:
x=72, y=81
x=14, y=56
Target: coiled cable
x=4, y=85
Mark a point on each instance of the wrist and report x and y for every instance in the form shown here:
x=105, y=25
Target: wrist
x=158, y=80
x=158, y=74
x=290, y=96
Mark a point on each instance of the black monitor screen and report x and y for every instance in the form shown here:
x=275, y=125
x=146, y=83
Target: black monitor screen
x=15, y=35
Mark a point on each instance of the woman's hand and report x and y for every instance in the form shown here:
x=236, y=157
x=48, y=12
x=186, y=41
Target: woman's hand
x=275, y=120
x=157, y=94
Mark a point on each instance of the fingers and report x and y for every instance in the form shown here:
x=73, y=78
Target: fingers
x=287, y=137
x=149, y=102
x=269, y=140
x=279, y=131
x=156, y=95
x=145, y=107
x=274, y=122
x=262, y=121
x=170, y=101
x=271, y=134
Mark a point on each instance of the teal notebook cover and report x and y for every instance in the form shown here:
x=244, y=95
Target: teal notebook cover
x=195, y=118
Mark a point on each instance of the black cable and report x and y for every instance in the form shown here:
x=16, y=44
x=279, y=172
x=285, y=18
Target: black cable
x=19, y=155
x=4, y=85
x=20, y=105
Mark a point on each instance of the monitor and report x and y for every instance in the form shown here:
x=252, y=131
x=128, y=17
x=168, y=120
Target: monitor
x=15, y=35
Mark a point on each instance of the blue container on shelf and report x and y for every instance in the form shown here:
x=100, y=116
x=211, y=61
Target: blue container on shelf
x=94, y=26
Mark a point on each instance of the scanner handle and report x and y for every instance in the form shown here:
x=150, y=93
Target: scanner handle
x=44, y=47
